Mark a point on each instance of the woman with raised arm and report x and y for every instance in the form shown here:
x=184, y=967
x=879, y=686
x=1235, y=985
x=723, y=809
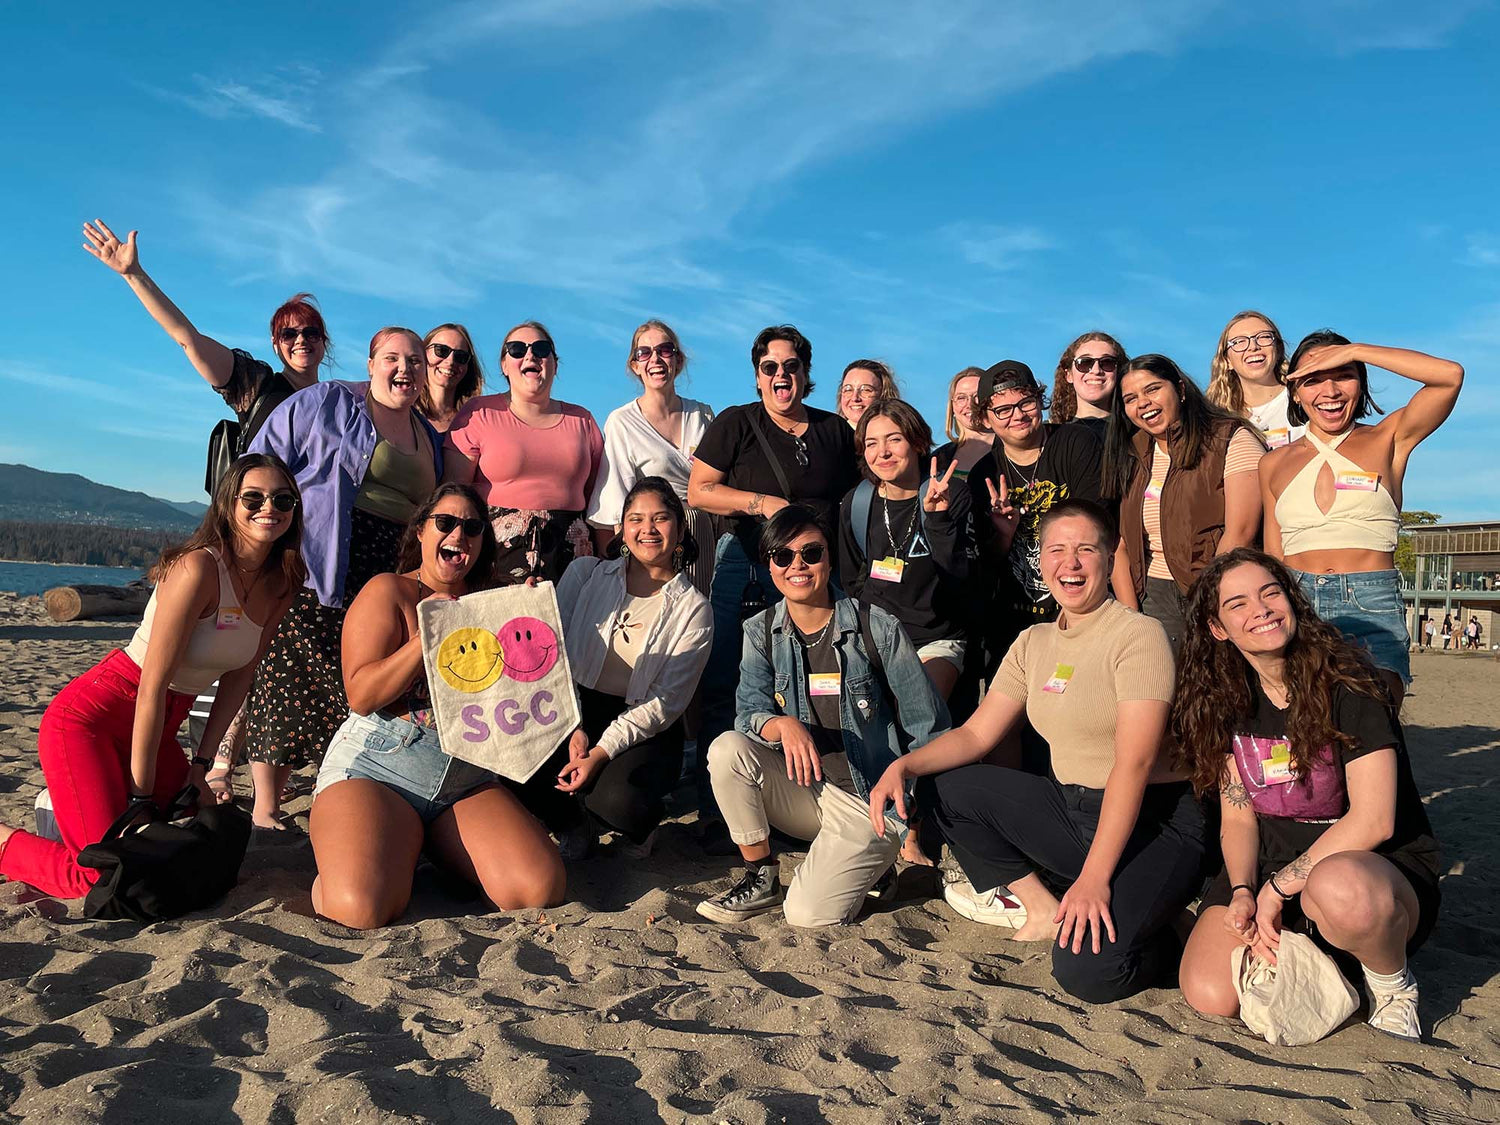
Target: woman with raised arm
x=108, y=742
x=865, y=382
x=1324, y=831
x=966, y=444
x=1116, y=823
x=655, y=435
x=365, y=460
x=454, y=374
x=386, y=791
x=1084, y=382
x=533, y=459
x=1248, y=376
x=1332, y=498
x=830, y=693
x=1184, y=474
x=754, y=460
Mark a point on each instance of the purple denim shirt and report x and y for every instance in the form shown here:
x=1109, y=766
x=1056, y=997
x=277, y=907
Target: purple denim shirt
x=326, y=436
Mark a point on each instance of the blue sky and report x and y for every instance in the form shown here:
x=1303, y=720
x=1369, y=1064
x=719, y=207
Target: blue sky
x=979, y=182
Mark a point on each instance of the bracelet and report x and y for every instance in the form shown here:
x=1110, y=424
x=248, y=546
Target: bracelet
x=1241, y=887
x=1281, y=894
x=201, y=760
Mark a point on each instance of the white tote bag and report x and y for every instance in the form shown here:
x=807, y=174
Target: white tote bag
x=502, y=689
x=1296, y=1001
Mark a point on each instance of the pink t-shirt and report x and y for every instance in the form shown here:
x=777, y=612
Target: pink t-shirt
x=522, y=467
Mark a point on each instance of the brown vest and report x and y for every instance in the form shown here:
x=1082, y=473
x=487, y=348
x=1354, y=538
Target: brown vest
x=1192, y=510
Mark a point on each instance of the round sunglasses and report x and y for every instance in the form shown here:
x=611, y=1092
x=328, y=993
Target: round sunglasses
x=782, y=557
x=254, y=501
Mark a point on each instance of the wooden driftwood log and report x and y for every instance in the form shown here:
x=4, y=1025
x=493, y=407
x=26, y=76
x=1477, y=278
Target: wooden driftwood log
x=87, y=603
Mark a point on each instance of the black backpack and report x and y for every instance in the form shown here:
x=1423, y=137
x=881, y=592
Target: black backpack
x=169, y=867
x=227, y=441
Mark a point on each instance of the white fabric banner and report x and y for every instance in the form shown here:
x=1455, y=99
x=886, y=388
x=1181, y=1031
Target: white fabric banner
x=502, y=690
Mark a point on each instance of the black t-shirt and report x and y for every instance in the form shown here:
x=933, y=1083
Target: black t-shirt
x=820, y=658
x=1068, y=469
x=1320, y=794
x=930, y=599
x=730, y=446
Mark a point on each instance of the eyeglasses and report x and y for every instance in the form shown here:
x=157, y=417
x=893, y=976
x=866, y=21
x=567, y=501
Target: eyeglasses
x=857, y=390
x=769, y=367
x=443, y=351
x=1242, y=343
x=1003, y=413
x=312, y=335
x=445, y=523
x=1083, y=364
x=782, y=557
x=542, y=349
x=255, y=501
x=667, y=352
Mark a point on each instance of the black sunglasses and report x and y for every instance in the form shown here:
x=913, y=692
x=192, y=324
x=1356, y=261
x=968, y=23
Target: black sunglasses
x=255, y=501
x=1107, y=363
x=782, y=557
x=666, y=351
x=769, y=367
x=542, y=349
x=311, y=335
x=445, y=522
x=443, y=351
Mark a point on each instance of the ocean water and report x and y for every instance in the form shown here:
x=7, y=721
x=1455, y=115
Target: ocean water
x=33, y=578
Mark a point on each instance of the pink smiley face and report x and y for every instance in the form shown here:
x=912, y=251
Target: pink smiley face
x=530, y=648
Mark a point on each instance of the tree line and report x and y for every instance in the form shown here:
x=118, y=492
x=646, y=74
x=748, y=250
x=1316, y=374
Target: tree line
x=84, y=545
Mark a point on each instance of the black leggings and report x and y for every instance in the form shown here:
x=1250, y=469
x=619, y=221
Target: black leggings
x=1003, y=824
x=628, y=794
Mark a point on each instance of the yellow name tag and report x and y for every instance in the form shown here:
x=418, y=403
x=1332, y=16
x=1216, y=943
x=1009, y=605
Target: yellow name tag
x=823, y=683
x=1060, y=679
x=1278, y=437
x=229, y=618
x=1355, y=480
x=1277, y=769
x=1153, y=490
x=887, y=569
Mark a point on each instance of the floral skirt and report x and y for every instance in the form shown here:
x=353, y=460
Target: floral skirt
x=538, y=543
x=298, y=702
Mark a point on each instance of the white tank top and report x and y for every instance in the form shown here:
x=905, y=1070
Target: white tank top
x=221, y=643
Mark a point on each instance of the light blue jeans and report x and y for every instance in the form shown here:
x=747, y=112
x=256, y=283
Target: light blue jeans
x=405, y=757
x=1367, y=608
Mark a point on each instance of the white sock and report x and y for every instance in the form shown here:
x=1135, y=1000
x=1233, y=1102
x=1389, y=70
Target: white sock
x=1388, y=982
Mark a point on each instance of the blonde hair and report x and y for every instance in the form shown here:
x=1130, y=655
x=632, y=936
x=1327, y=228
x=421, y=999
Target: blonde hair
x=666, y=330
x=1064, y=397
x=951, y=422
x=1224, y=388
x=885, y=381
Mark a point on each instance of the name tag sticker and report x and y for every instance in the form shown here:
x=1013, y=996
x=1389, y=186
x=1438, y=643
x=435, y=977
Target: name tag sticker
x=1277, y=767
x=823, y=683
x=229, y=618
x=1153, y=490
x=1278, y=437
x=888, y=569
x=1355, y=480
x=1059, y=681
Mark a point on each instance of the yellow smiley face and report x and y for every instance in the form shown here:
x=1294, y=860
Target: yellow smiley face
x=469, y=659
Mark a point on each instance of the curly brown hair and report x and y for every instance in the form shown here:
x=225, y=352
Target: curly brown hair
x=1215, y=682
x=1064, y=397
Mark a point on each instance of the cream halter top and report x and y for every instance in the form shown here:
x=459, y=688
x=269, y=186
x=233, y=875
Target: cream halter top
x=1363, y=516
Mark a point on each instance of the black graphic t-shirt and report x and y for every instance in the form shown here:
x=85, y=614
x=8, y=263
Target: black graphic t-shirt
x=1293, y=812
x=1068, y=469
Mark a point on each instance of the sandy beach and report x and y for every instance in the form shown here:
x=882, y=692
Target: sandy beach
x=623, y=1006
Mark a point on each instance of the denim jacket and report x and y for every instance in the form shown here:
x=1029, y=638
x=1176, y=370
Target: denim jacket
x=778, y=686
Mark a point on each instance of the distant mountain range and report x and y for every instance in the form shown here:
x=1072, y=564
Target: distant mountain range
x=38, y=496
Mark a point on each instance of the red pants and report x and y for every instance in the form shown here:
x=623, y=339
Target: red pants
x=84, y=746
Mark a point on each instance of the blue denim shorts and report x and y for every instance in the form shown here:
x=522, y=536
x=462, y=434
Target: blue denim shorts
x=404, y=756
x=1367, y=608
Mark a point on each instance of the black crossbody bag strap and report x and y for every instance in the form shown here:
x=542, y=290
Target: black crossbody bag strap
x=765, y=444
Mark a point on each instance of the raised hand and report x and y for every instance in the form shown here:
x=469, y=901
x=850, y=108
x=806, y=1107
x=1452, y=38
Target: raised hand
x=936, y=499
x=1003, y=514
x=1328, y=357
x=102, y=244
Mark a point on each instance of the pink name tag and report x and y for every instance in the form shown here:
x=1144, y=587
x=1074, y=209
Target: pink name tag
x=229, y=618
x=1356, y=480
x=1153, y=490
x=1277, y=438
x=823, y=683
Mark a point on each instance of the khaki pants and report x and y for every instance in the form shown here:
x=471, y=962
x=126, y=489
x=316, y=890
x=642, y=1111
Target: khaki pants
x=846, y=857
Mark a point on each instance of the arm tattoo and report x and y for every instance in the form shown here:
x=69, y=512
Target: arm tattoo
x=1299, y=869
x=707, y=487
x=753, y=508
x=1236, y=794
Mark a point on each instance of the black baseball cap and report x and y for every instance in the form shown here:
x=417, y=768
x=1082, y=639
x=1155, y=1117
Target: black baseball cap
x=1007, y=375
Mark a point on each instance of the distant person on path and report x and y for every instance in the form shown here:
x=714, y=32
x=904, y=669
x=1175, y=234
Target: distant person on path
x=1324, y=831
x=1332, y=498
x=1447, y=630
x=108, y=742
x=386, y=792
x=1248, y=377
x=1084, y=382
x=365, y=459
x=1428, y=628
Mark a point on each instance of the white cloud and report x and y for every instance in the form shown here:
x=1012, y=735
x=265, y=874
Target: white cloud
x=1482, y=250
x=284, y=98
x=997, y=247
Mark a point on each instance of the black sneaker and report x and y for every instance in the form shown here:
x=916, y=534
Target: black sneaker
x=757, y=891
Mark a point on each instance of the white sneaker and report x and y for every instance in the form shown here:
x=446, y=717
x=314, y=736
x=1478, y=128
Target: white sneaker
x=993, y=908
x=1395, y=1011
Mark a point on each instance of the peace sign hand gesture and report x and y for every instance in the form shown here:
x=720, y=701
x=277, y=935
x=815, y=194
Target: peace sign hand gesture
x=102, y=244
x=936, y=499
